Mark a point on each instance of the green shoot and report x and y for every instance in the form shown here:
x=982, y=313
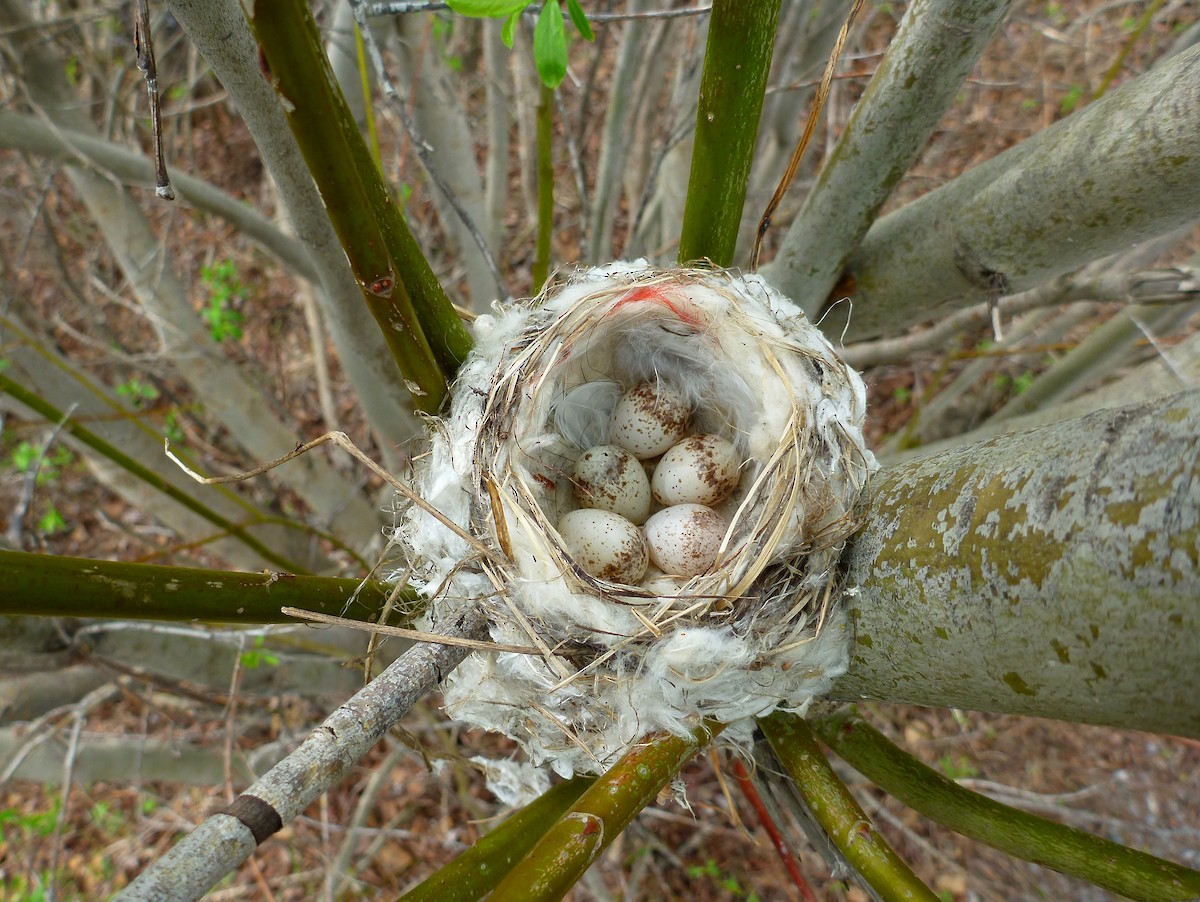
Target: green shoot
x=549, y=35
x=259, y=656
x=224, y=289
x=137, y=392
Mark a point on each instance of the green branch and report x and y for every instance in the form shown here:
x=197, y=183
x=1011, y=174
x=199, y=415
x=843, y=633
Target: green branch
x=839, y=815
x=545, y=187
x=146, y=475
x=45, y=585
x=334, y=150
x=570, y=846
x=737, y=60
x=475, y=873
x=1023, y=835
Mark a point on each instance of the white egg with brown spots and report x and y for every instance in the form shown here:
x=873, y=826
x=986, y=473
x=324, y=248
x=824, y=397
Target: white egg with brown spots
x=683, y=540
x=605, y=544
x=701, y=469
x=609, y=478
x=650, y=418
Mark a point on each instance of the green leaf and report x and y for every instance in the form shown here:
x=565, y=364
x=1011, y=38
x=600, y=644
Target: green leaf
x=52, y=522
x=488, y=9
x=509, y=31
x=550, y=45
x=582, y=25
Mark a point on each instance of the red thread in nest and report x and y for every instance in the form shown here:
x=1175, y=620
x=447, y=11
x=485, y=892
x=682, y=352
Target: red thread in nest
x=656, y=295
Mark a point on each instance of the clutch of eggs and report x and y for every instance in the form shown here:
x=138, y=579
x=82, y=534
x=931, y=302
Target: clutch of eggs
x=614, y=535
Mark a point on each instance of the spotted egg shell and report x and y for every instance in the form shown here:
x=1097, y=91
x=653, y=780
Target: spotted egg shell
x=604, y=544
x=701, y=469
x=650, y=418
x=684, y=539
x=611, y=479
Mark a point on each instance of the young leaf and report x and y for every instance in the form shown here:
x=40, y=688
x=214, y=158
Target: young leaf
x=487, y=9
x=550, y=45
x=582, y=25
x=509, y=31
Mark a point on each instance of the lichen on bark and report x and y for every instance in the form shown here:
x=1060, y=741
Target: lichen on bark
x=1050, y=572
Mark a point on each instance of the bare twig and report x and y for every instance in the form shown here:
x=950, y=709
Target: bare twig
x=16, y=519
x=68, y=777
x=342, y=441
x=225, y=840
x=424, y=150
x=814, y=114
x=400, y=7
x=320, y=359
x=342, y=871
x=1158, y=286
x=144, y=45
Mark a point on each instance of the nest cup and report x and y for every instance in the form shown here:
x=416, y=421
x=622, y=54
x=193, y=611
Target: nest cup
x=607, y=662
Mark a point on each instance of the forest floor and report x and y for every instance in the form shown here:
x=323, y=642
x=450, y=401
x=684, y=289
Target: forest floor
x=1139, y=789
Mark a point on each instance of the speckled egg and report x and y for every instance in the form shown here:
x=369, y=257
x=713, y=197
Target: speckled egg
x=650, y=418
x=684, y=539
x=611, y=479
x=605, y=544
x=701, y=469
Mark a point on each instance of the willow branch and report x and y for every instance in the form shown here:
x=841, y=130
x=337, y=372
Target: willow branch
x=1122, y=870
x=477, y=871
x=326, y=132
x=741, y=40
x=839, y=815
x=223, y=841
x=561, y=856
x=56, y=586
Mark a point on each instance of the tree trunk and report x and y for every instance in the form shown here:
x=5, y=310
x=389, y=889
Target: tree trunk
x=1124, y=169
x=1050, y=572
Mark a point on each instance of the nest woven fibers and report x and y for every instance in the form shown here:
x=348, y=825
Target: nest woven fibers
x=756, y=626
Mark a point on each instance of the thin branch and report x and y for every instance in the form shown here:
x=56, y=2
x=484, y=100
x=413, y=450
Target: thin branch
x=425, y=152
x=839, y=814
x=143, y=43
x=814, y=115
x=222, y=842
x=1157, y=286
x=16, y=519
x=790, y=864
x=400, y=7
x=545, y=183
x=1130, y=873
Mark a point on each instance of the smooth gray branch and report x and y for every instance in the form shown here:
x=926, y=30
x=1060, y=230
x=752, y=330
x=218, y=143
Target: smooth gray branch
x=1157, y=286
x=223, y=841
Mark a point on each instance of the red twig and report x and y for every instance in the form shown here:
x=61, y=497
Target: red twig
x=764, y=817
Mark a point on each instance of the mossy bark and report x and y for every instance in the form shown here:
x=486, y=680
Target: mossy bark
x=1050, y=572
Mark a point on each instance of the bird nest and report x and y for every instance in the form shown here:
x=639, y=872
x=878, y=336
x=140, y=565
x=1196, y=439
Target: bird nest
x=593, y=662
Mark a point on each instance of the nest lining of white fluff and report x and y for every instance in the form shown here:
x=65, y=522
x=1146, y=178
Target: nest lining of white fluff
x=619, y=662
